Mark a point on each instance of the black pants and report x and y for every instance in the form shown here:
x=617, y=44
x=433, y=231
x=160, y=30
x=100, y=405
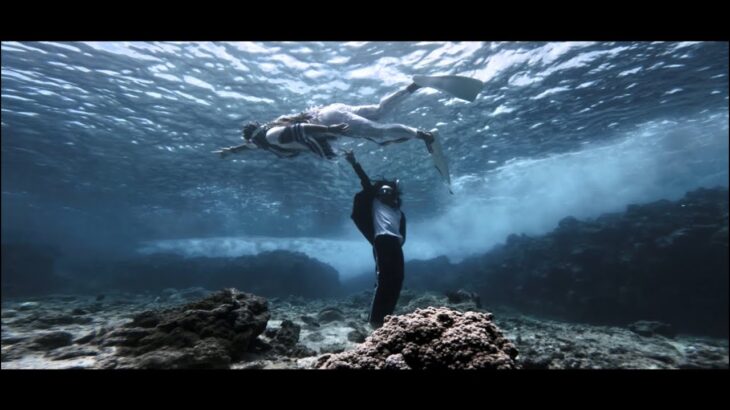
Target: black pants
x=389, y=270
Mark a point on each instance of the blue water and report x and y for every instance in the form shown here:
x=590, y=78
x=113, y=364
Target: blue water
x=106, y=147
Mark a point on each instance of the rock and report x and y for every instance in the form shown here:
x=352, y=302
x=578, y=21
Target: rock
x=330, y=314
x=124, y=336
x=651, y=328
x=11, y=338
x=356, y=336
x=431, y=338
x=13, y=352
x=70, y=352
x=210, y=353
x=619, y=268
x=288, y=334
x=79, y=311
x=260, y=346
x=209, y=333
x=618, y=350
x=285, y=339
x=85, y=338
x=461, y=296
x=146, y=319
x=52, y=340
x=309, y=321
x=662, y=358
x=396, y=362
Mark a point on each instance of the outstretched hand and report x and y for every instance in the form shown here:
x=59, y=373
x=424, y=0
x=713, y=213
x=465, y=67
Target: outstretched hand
x=338, y=128
x=223, y=152
x=350, y=156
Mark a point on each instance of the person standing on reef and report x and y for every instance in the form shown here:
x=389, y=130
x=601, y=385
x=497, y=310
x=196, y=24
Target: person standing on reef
x=377, y=214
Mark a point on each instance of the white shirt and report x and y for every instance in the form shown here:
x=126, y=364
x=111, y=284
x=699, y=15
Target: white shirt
x=386, y=220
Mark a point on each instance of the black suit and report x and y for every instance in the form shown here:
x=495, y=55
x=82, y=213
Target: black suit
x=387, y=249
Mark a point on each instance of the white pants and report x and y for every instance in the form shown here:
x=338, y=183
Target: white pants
x=362, y=118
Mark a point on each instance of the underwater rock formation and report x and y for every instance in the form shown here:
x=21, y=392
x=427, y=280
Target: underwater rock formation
x=650, y=328
x=541, y=342
x=282, y=342
x=210, y=333
x=330, y=314
x=431, y=338
x=664, y=261
x=461, y=296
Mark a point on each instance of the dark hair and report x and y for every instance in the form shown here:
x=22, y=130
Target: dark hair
x=249, y=129
x=379, y=183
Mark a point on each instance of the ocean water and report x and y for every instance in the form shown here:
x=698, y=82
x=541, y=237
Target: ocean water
x=589, y=186
x=106, y=146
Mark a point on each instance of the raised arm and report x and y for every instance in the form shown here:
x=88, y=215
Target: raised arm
x=364, y=179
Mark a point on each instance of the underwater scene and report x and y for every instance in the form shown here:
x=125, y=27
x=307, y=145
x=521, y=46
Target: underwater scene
x=364, y=205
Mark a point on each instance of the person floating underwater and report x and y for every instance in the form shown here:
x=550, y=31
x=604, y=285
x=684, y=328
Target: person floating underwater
x=288, y=139
x=377, y=213
x=312, y=130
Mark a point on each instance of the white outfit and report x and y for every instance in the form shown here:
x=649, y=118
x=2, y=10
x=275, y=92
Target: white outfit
x=386, y=220
x=362, y=118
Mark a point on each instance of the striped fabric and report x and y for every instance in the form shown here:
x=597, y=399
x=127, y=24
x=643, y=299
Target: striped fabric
x=319, y=146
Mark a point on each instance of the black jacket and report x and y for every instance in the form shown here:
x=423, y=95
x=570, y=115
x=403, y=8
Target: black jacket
x=362, y=208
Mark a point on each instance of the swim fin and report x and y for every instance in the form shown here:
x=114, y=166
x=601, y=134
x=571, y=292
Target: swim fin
x=439, y=160
x=460, y=87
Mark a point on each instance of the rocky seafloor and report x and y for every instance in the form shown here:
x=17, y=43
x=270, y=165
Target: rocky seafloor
x=198, y=328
